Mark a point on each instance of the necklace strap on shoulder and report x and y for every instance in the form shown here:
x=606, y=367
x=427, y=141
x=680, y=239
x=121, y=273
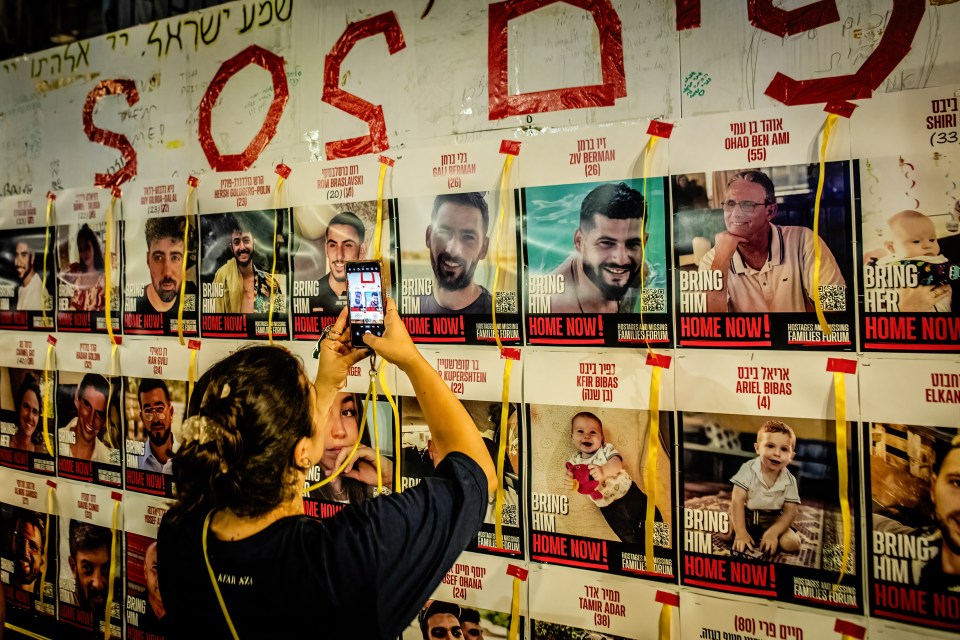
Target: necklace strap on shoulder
x=213, y=579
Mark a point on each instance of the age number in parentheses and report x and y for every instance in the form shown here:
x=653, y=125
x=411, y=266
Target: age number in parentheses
x=944, y=137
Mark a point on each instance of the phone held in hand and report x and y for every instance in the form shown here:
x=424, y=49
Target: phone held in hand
x=365, y=297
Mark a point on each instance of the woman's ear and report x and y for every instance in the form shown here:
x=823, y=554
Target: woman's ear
x=301, y=453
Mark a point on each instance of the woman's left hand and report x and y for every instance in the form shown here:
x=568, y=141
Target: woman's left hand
x=336, y=357
x=363, y=466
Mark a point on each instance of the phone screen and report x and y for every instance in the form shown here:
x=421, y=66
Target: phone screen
x=365, y=293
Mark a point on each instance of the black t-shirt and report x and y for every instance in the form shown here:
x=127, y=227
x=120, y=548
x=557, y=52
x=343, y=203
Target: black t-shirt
x=363, y=574
x=327, y=302
x=482, y=305
x=146, y=307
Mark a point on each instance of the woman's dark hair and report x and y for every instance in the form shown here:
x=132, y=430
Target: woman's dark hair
x=253, y=407
x=87, y=235
x=29, y=384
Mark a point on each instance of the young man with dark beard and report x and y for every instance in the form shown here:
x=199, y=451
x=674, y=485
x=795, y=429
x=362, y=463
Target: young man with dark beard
x=602, y=274
x=156, y=412
x=457, y=239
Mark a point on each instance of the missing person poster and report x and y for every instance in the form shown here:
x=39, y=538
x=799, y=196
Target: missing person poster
x=474, y=597
x=82, y=256
x=160, y=254
x=358, y=454
x=909, y=222
x=25, y=432
x=334, y=208
x=458, y=257
x=26, y=265
x=748, y=271
x=566, y=604
x=144, y=605
x=596, y=240
x=28, y=551
x=709, y=617
x=87, y=547
x=763, y=499
x=594, y=493
x=88, y=419
x=418, y=457
x=910, y=427
x=243, y=271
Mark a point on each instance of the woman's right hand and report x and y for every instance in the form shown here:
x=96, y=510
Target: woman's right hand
x=395, y=345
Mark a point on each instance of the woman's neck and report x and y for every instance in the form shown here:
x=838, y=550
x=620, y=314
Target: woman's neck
x=226, y=525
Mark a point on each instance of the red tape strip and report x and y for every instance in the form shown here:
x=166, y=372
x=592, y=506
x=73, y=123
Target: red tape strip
x=894, y=45
x=51, y=483
x=510, y=147
x=688, y=14
x=658, y=360
x=116, y=192
x=116, y=495
x=387, y=161
x=193, y=181
x=850, y=629
x=51, y=340
x=779, y=22
x=510, y=353
x=385, y=23
x=273, y=64
x=841, y=365
x=666, y=597
x=517, y=572
x=283, y=171
x=660, y=129
x=51, y=195
x=503, y=104
x=841, y=108
x=193, y=344
x=111, y=139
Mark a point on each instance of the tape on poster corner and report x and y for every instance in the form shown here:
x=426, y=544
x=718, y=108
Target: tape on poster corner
x=283, y=171
x=849, y=629
x=840, y=108
x=841, y=365
x=510, y=147
x=668, y=597
x=658, y=360
x=660, y=128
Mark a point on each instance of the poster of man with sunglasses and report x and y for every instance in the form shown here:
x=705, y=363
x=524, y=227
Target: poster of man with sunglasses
x=750, y=269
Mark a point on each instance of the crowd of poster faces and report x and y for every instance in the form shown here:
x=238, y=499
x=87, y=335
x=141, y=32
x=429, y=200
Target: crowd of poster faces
x=588, y=280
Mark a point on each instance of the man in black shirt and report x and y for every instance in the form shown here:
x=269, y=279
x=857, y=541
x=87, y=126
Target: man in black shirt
x=165, y=256
x=942, y=572
x=457, y=240
x=344, y=241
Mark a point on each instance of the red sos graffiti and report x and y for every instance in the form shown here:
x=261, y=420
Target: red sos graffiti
x=890, y=51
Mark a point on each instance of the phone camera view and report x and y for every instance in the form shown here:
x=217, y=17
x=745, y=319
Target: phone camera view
x=365, y=290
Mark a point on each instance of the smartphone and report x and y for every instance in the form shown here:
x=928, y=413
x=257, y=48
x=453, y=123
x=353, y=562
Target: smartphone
x=365, y=297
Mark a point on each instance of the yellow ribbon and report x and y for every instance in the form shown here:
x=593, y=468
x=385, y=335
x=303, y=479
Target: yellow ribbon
x=397, y=429
x=46, y=540
x=379, y=228
x=187, y=214
x=47, y=390
x=840, y=391
x=666, y=613
x=508, y=364
x=108, y=276
x=113, y=372
x=827, y=130
x=502, y=453
x=46, y=252
x=650, y=471
x=514, y=631
x=107, y=612
x=273, y=266
x=213, y=579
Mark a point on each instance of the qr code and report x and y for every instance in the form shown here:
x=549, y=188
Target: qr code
x=506, y=301
x=510, y=516
x=661, y=534
x=833, y=297
x=654, y=301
